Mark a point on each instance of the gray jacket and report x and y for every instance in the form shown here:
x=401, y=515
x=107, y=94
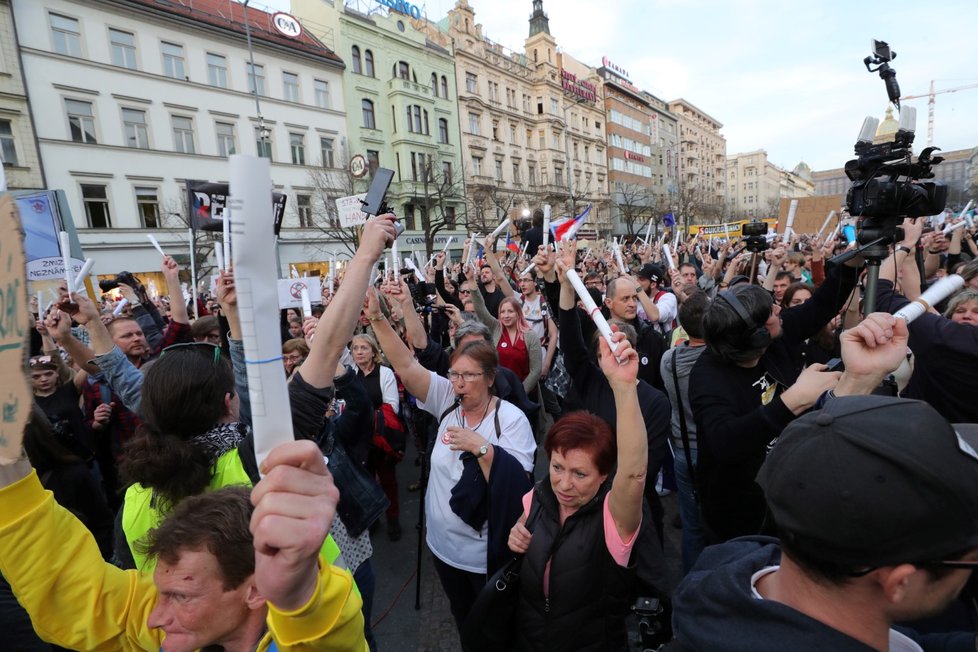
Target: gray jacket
x=685, y=356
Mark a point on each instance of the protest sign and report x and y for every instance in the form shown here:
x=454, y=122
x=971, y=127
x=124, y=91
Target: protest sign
x=348, y=210
x=15, y=393
x=290, y=290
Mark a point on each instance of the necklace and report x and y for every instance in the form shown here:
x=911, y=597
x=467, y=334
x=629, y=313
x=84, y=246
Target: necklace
x=461, y=417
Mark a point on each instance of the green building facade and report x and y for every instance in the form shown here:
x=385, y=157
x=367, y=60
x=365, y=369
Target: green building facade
x=402, y=111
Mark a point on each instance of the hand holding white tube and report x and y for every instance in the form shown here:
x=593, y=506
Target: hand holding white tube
x=499, y=229
x=589, y=306
x=82, y=275
x=546, y=224
x=667, y=254
x=934, y=294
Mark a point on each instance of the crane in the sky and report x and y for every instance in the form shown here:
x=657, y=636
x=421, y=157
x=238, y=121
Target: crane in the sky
x=930, y=105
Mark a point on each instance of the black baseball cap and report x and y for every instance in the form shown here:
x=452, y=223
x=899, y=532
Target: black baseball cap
x=874, y=481
x=651, y=272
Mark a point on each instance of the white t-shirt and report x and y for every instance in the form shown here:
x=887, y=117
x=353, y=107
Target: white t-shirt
x=450, y=538
x=898, y=642
x=533, y=311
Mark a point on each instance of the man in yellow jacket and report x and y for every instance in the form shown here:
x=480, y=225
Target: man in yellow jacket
x=228, y=576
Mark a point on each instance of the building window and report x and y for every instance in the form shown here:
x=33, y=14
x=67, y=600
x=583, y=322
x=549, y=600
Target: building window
x=290, y=86
x=417, y=120
x=66, y=35
x=499, y=169
x=443, y=131
x=559, y=176
x=81, y=121
x=263, y=143
x=477, y=166
x=444, y=86
x=434, y=84
x=446, y=172
x=256, y=78
x=326, y=152
x=148, y=207
x=217, y=70
x=516, y=172
x=183, y=134
x=355, y=60
x=134, y=124
x=449, y=212
x=471, y=83
x=474, y=124
x=173, y=60
x=303, y=207
x=531, y=173
x=368, y=63
x=8, y=147
x=402, y=70
x=225, y=138
x=123, y=48
x=96, y=206
x=367, y=107
x=297, y=145
x=495, y=129
x=373, y=160
x=321, y=91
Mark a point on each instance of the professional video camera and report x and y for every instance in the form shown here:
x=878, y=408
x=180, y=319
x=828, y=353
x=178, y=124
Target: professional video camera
x=886, y=182
x=871, y=196
x=755, y=237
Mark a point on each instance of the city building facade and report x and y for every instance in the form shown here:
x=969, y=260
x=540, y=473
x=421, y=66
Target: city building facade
x=755, y=186
x=18, y=142
x=133, y=98
x=702, y=163
x=532, y=123
x=401, y=112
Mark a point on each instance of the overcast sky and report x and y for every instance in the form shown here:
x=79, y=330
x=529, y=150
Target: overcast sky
x=784, y=76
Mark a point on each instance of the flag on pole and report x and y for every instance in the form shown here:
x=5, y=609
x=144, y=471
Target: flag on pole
x=566, y=228
x=512, y=246
x=669, y=219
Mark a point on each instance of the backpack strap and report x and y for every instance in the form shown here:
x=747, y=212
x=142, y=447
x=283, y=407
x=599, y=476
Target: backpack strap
x=683, y=430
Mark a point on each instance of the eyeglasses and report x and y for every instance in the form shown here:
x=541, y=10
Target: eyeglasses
x=465, y=291
x=196, y=345
x=467, y=376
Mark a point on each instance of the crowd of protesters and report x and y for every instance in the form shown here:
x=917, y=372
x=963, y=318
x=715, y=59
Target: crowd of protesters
x=538, y=435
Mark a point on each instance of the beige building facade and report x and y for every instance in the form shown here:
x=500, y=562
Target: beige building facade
x=702, y=161
x=532, y=123
x=755, y=186
x=18, y=140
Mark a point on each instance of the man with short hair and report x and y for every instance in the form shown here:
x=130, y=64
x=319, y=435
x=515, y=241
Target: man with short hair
x=664, y=307
x=782, y=281
x=492, y=294
x=206, y=329
x=622, y=303
x=229, y=576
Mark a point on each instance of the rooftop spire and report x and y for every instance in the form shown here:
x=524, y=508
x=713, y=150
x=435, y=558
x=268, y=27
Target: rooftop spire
x=538, y=20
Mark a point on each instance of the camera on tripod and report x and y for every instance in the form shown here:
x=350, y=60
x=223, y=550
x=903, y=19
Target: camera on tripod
x=876, y=191
x=755, y=237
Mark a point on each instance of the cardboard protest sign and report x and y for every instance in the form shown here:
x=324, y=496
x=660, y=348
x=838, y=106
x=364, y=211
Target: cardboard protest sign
x=810, y=214
x=348, y=210
x=15, y=393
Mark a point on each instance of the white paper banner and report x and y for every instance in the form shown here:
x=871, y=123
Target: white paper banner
x=348, y=210
x=290, y=290
x=253, y=248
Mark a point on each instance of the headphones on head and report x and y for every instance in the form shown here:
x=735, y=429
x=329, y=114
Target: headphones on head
x=758, y=337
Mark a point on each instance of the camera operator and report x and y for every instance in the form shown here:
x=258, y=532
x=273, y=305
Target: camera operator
x=875, y=501
x=746, y=387
x=945, y=351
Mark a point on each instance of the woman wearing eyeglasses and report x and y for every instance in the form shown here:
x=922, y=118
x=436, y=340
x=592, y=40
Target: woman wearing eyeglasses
x=480, y=464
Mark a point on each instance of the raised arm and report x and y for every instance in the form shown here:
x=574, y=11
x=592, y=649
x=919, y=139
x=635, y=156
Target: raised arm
x=336, y=326
x=628, y=487
x=178, y=307
x=497, y=271
x=416, y=378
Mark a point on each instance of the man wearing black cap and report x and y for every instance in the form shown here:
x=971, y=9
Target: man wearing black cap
x=661, y=309
x=875, y=500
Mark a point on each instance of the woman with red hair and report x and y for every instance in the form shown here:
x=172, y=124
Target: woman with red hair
x=577, y=570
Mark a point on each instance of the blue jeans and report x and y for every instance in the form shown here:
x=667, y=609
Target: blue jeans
x=366, y=582
x=694, y=537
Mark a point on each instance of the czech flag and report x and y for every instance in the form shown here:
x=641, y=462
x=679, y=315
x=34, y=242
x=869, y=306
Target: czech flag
x=512, y=246
x=567, y=228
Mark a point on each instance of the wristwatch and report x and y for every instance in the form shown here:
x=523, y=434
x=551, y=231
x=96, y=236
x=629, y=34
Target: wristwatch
x=903, y=248
x=483, y=450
